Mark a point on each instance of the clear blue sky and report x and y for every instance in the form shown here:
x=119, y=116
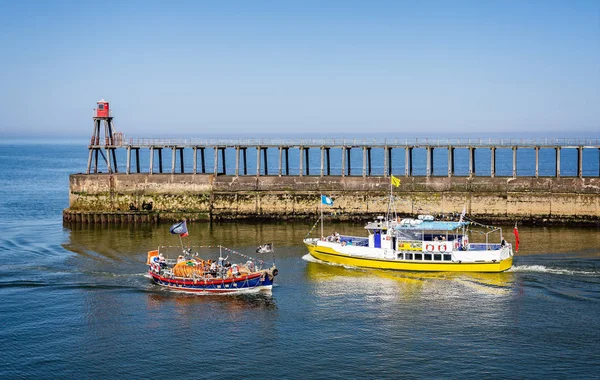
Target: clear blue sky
x=387, y=68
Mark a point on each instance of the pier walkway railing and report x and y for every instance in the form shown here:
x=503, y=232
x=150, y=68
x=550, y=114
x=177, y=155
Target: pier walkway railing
x=383, y=148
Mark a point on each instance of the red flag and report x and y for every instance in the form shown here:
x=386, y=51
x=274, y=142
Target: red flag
x=516, y=232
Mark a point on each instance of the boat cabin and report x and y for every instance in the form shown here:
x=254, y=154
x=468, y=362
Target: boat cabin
x=381, y=234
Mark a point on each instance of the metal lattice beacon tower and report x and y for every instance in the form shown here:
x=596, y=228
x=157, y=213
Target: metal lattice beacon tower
x=102, y=116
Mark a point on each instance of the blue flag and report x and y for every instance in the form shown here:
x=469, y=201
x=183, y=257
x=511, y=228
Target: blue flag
x=179, y=229
x=326, y=200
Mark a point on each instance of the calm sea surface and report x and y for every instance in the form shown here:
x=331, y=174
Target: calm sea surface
x=75, y=301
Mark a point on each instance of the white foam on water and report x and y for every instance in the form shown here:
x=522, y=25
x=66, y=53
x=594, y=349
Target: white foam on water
x=544, y=269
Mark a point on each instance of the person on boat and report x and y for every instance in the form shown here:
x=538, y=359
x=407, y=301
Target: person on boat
x=235, y=270
x=222, y=260
x=503, y=243
x=161, y=260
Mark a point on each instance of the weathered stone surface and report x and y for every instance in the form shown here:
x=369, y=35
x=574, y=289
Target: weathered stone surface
x=228, y=197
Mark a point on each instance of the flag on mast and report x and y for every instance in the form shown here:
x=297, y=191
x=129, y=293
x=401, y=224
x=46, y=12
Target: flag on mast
x=395, y=181
x=179, y=229
x=327, y=201
x=464, y=212
x=516, y=232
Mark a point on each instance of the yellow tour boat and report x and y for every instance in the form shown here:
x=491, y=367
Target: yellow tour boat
x=419, y=244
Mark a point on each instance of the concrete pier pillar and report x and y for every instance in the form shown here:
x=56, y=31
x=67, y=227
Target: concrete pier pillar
x=258, y=161
x=301, y=163
x=429, y=169
x=195, y=168
x=237, y=161
x=557, y=172
x=89, y=165
x=471, y=161
x=408, y=165
x=514, y=162
x=493, y=163
x=150, y=171
x=450, y=161
x=322, y=161
x=108, y=160
x=216, y=161
x=280, y=161
x=173, y=150
x=364, y=168
x=580, y=161
x=128, y=166
x=343, y=161
x=537, y=161
x=385, y=161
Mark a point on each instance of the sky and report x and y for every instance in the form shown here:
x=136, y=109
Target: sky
x=301, y=68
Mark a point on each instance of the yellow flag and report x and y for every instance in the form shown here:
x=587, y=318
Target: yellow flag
x=395, y=181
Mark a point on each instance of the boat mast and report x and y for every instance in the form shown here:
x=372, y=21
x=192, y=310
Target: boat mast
x=322, y=217
x=391, y=211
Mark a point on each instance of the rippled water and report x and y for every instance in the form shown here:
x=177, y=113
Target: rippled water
x=76, y=302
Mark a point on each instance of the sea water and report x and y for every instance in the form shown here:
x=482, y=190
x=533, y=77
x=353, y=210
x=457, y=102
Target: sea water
x=76, y=301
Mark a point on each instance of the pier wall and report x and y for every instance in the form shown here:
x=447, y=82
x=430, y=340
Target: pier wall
x=121, y=197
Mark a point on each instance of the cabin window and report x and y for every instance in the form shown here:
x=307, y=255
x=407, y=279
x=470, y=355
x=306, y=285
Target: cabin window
x=437, y=257
x=100, y=107
x=447, y=257
x=427, y=256
x=418, y=256
x=408, y=256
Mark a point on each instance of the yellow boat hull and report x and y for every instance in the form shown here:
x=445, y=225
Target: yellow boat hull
x=329, y=255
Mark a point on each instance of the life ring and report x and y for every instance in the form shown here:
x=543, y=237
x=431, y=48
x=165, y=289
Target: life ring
x=456, y=244
x=442, y=247
x=429, y=247
x=387, y=238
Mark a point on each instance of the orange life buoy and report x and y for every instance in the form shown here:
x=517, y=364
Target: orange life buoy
x=429, y=247
x=442, y=247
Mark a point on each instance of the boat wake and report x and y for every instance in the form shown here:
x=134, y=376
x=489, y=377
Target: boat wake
x=545, y=269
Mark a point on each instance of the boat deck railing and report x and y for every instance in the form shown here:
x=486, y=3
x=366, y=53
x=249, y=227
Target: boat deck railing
x=484, y=247
x=355, y=240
